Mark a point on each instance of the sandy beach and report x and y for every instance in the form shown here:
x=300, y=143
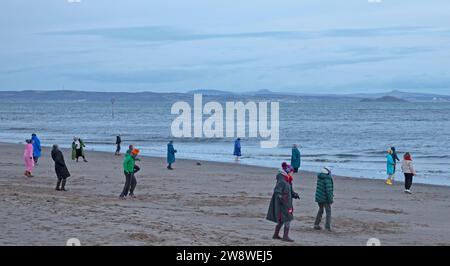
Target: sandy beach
x=210, y=204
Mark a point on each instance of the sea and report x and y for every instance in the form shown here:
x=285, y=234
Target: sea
x=350, y=137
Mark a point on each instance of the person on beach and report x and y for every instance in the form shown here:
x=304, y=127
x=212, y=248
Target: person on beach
x=36, y=148
x=237, y=149
x=295, y=158
x=324, y=197
x=395, y=158
x=390, y=167
x=129, y=170
x=118, y=141
x=408, y=171
x=78, y=149
x=281, y=210
x=130, y=149
x=62, y=173
x=170, y=155
x=28, y=158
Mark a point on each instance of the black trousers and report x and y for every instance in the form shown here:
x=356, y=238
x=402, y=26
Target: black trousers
x=118, y=148
x=408, y=180
x=130, y=184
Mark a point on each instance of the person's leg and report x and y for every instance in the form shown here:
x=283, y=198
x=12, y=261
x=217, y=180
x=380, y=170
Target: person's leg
x=133, y=184
x=63, y=185
x=408, y=181
x=286, y=232
x=126, y=187
x=170, y=166
x=58, y=183
x=276, y=234
x=328, y=218
x=319, y=217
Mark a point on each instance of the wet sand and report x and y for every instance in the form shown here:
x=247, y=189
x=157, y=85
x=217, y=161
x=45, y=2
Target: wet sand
x=211, y=204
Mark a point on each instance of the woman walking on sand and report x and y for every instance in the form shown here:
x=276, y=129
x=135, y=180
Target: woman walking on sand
x=390, y=170
x=28, y=158
x=408, y=171
x=78, y=149
x=295, y=158
x=62, y=173
x=36, y=148
x=170, y=155
x=281, y=210
x=237, y=149
x=324, y=197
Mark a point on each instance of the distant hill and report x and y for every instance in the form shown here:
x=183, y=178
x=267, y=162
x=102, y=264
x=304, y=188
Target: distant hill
x=408, y=96
x=384, y=99
x=79, y=96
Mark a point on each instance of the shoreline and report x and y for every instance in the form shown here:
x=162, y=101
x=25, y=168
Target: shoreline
x=216, y=204
x=399, y=175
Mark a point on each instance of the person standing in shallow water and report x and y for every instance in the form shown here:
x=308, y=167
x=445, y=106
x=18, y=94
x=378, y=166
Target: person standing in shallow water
x=170, y=155
x=324, y=197
x=118, y=142
x=28, y=158
x=390, y=168
x=237, y=149
x=295, y=158
x=62, y=173
x=408, y=171
x=78, y=149
x=281, y=210
x=36, y=148
x=129, y=171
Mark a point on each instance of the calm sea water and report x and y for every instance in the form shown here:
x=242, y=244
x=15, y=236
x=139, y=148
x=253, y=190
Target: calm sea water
x=349, y=137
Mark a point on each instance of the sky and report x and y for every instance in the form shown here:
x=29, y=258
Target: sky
x=302, y=46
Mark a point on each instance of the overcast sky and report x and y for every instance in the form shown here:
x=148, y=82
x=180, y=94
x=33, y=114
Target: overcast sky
x=320, y=46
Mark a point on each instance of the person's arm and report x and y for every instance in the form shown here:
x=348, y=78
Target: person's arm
x=411, y=168
x=329, y=187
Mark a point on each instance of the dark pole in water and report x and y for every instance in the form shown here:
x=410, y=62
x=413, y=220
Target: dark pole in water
x=112, y=106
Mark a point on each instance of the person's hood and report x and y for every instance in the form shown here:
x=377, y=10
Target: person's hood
x=323, y=176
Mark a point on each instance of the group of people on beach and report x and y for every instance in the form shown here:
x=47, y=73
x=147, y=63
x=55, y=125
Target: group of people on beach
x=407, y=168
x=281, y=207
x=281, y=210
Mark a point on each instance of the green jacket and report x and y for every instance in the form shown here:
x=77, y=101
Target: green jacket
x=74, y=150
x=295, y=158
x=128, y=164
x=324, y=189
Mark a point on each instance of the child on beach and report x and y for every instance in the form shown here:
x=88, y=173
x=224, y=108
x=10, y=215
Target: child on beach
x=129, y=171
x=390, y=167
x=324, y=197
x=78, y=149
x=408, y=171
x=28, y=158
x=237, y=149
x=295, y=158
x=170, y=155
x=36, y=148
x=62, y=173
x=281, y=208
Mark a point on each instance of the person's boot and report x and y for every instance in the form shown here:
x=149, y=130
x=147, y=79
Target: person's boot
x=25, y=173
x=276, y=235
x=29, y=174
x=58, y=183
x=286, y=235
x=63, y=185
